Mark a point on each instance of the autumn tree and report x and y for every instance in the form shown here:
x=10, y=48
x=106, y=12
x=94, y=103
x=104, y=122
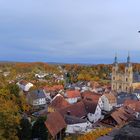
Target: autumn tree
x=14, y=89
x=19, y=99
x=9, y=116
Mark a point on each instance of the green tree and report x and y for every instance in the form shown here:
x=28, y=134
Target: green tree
x=39, y=129
x=25, y=129
x=14, y=89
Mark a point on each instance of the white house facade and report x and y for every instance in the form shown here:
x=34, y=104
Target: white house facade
x=96, y=114
x=79, y=128
x=36, y=98
x=38, y=102
x=108, y=101
x=25, y=87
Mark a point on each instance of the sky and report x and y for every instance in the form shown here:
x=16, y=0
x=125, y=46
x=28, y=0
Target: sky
x=69, y=31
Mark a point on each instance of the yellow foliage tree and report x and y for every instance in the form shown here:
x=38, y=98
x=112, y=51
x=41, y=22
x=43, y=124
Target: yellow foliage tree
x=95, y=134
x=11, y=106
x=92, y=135
x=9, y=119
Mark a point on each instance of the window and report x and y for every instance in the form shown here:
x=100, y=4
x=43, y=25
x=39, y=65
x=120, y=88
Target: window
x=126, y=79
x=113, y=78
x=120, y=87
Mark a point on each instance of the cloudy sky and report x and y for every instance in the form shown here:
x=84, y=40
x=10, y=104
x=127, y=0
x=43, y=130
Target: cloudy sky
x=69, y=31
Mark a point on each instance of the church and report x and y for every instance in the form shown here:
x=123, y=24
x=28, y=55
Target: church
x=124, y=81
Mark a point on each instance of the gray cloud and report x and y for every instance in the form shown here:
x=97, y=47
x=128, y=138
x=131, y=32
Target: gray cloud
x=69, y=31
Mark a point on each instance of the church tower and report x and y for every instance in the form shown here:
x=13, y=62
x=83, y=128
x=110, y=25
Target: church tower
x=122, y=81
x=114, y=74
x=128, y=75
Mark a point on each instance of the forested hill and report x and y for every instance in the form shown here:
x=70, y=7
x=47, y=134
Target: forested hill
x=75, y=72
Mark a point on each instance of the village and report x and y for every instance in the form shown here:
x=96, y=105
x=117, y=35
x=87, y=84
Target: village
x=75, y=109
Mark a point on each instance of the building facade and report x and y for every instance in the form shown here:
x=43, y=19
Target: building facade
x=122, y=81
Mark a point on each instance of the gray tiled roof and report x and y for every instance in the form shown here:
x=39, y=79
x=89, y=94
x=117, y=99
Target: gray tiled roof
x=73, y=120
x=123, y=96
x=37, y=94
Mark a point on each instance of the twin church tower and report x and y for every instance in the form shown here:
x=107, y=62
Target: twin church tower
x=122, y=81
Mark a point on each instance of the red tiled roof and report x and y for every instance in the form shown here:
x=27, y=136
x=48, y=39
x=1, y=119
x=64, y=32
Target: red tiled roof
x=77, y=110
x=55, y=123
x=90, y=106
x=59, y=102
x=91, y=96
x=122, y=115
x=53, y=88
x=73, y=93
x=135, y=105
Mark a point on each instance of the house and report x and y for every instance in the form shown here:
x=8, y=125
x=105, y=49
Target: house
x=55, y=124
x=87, y=108
x=93, y=105
x=36, y=98
x=5, y=74
x=53, y=88
x=24, y=85
x=52, y=91
x=77, y=110
x=82, y=86
x=93, y=111
x=77, y=125
x=121, y=97
x=58, y=102
x=41, y=75
x=72, y=96
x=119, y=117
x=92, y=96
x=109, y=101
x=48, y=96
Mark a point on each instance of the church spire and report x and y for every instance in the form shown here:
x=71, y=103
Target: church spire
x=115, y=60
x=128, y=60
